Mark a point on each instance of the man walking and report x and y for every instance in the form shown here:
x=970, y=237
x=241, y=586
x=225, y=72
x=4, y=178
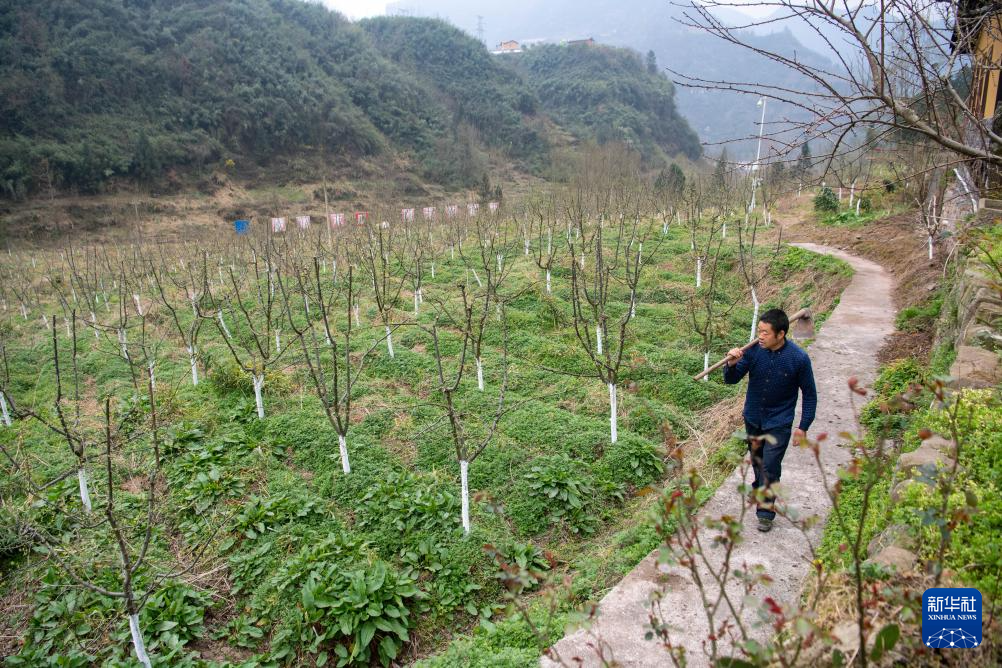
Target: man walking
x=778, y=370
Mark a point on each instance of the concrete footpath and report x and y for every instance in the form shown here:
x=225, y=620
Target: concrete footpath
x=846, y=346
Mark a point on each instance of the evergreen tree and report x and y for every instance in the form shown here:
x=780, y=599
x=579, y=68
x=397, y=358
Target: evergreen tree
x=652, y=63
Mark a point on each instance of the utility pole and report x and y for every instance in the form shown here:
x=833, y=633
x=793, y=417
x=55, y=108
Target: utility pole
x=480, y=29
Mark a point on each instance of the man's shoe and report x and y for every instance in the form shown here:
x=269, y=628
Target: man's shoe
x=764, y=524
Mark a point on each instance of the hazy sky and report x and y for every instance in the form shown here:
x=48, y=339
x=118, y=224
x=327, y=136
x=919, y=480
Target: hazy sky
x=358, y=9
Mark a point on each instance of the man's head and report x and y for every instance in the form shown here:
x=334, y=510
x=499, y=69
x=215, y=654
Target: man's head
x=772, y=328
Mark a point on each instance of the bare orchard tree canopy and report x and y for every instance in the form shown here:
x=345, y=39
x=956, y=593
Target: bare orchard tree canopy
x=902, y=68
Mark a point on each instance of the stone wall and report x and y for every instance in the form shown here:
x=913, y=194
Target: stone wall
x=972, y=322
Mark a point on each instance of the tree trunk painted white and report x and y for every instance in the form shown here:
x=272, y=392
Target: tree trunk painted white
x=549, y=287
x=464, y=478
x=800, y=187
x=258, y=399
x=153, y=378
x=415, y=303
x=355, y=311
x=342, y=445
x=598, y=338
x=433, y=270
x=754, y=318
x=123, y=343
x=613, y=425
x=480, y=374
x=69, y=332
x=963, y=182
x=549, y=241
x=84, y=490
x=852, y=193
x=306, y=305
x=582, y=261
x=3, y=407
x=930, y=246
x=45, y=321
x=692, y=245
x=24, y=312
x=525, y=245
x=222, y=323
x=139, y=304
x=768, y=217
x=479, y=282
x=389, y=341
x=452, y=252
x=706, y=365
x=633, y=306
x=194, y=364
x=699, y=271
x=723, y=231
x=840, y=194
x=137, y=641
x=500, y=259
x=278, y=341
x=420, y=295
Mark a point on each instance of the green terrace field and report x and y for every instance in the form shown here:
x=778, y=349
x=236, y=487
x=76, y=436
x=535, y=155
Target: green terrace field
x=255, y=548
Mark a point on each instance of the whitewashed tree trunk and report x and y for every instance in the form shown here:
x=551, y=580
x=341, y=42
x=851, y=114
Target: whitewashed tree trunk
x=754, y=318
x=549, y=241
x=153, y=378
x=613, y=410
x=479, y=282
x=69, y=332
x=278, y=341
x=24, y=312
x=930, y=246
x=500, y=259
x=723, y=231
x=342, y=444
x=415, y=303
x=389, y=341
x=480, y=374
x=582, y=261
x=433, y=270
x=598, y=338
x=194, y=365
x=123, y=343
x=699, y=271
x=852, y=193
x=706, y=365
x=222, y=323
x=840, y=194
x=464, y=477
x=139, y=304
x=355, y=311
x=137, y=641
x=258, y=399
x=6, y=412
x=525, y=245
x=549, y=287
x=84, y=490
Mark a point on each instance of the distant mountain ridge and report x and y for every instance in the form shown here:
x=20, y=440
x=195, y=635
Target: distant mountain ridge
x=646, y=26
x=105, y=89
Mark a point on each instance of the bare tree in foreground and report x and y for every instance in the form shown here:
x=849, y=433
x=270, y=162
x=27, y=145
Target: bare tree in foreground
x=900, y=68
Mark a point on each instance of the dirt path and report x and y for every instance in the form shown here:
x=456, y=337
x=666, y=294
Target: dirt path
x=846, y=346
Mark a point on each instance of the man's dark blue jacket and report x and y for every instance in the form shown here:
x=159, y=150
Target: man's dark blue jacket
x=776, y=377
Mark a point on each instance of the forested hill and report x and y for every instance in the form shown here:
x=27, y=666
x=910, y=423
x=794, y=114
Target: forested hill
x=608, y=93
x=97, y=90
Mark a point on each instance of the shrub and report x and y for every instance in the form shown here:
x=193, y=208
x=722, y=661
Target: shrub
x=826, y=200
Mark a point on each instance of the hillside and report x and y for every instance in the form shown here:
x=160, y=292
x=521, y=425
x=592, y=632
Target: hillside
x=607, y=93
x=98, y=92
x=649, y=26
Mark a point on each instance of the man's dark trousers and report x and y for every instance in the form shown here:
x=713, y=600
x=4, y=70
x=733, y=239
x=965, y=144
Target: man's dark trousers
x=767, y=461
